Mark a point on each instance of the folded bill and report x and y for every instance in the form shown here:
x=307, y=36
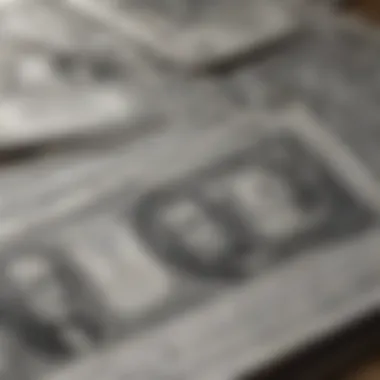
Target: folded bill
x=221, y=281
x=63, y=78
x=194, y=33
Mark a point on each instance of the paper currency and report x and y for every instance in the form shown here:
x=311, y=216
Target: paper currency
x=311, y=236
x=204, y=249
x=194, y=33
x=63, y=78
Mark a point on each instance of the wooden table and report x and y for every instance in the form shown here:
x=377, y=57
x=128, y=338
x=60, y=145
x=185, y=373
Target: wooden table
x=351, y=354
x=370, y=9
x=369, y=371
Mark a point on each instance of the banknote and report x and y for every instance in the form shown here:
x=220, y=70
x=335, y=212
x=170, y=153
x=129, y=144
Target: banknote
x=194, y=33
x=62, y=76
x=208, y=245
x=182, y=269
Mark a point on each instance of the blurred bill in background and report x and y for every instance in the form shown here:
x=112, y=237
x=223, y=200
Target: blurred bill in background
x=194, y=32
x=62, y=77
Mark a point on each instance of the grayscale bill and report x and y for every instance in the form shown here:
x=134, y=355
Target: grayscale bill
x=192, y=32
x=240, y=227
x=186, y=270
x=63, y=77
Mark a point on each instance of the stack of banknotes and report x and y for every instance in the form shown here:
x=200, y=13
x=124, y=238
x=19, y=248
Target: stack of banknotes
x=189, y=189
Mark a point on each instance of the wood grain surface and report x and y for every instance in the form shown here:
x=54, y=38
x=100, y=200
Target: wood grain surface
x=369, y=371
x=369, y=9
